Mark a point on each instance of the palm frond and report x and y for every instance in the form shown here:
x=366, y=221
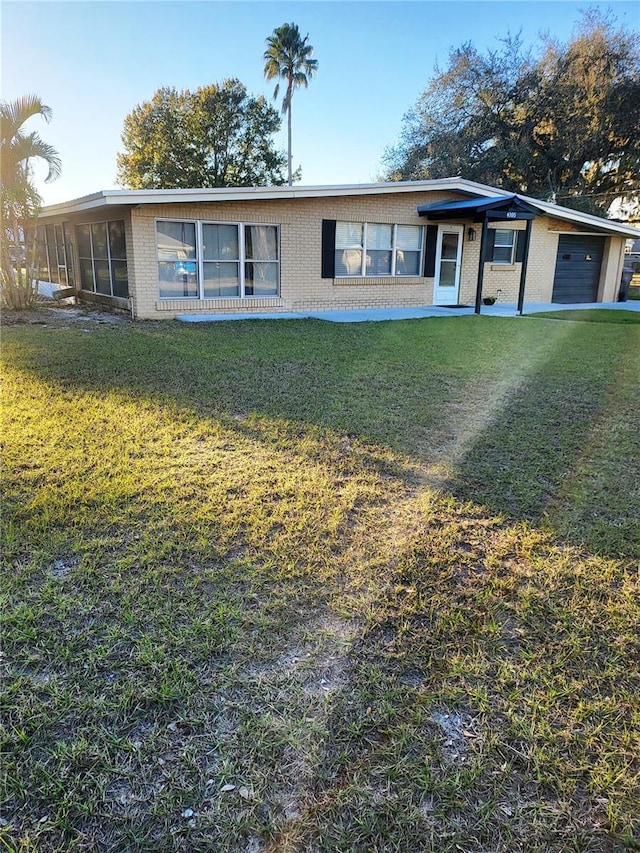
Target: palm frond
x=288, y=57
x=13, y=114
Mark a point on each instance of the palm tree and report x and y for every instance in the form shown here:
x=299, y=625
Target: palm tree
x=20, y=200
x=288, y=57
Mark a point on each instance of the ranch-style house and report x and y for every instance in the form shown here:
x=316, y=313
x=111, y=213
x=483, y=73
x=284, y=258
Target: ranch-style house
x=168, y=253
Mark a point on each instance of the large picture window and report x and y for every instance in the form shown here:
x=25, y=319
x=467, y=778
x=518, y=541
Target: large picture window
x=103, y=258
x=211, y=260
x=377, y=249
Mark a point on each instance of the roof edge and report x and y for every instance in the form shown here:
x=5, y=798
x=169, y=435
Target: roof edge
x=220, y=194
x=132, y=198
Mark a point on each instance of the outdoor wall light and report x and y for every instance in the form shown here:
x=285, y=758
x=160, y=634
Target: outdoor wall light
x=471, y=234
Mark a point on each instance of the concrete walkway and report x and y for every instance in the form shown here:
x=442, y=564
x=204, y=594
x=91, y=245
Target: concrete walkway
x=367, y=315
x=377, y=314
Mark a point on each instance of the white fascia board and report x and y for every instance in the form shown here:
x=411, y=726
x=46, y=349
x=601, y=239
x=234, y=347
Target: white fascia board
x=77, y=205
x=134, y=198
x=555, y=210
x=586, y=219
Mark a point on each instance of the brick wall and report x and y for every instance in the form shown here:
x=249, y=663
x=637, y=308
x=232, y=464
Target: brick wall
x=302, y=287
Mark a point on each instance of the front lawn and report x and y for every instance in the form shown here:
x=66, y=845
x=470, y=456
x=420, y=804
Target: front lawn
x=593, y=315
x=294, y=586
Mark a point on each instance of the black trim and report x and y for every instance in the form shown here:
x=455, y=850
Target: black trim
x=521, y=245
x=524, y=238
x=507, y=208
x=430, y=249
x=483, y=254
x=328, y=248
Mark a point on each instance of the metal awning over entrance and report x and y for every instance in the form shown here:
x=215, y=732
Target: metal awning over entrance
x=504, y=207
x=507, y=208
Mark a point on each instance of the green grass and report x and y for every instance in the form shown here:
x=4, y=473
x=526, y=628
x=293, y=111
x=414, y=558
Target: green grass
x=593, y=315
x=380, y=578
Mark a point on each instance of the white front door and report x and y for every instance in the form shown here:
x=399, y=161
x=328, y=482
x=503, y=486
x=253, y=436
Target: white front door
x=446, y=286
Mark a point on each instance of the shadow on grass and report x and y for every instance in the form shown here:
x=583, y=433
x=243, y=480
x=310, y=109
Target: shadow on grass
x=535, y=421
x=561, y=452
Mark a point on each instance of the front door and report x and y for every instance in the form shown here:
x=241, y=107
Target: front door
x=446, y=286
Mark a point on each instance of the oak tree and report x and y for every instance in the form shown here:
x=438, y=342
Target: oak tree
x=215, y=136
x=561, y=125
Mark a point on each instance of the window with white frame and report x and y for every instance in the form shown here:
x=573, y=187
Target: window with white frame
x=212, y=260
x=177, y=264
x=504, y=246
x=377, y=249
x=102, y=254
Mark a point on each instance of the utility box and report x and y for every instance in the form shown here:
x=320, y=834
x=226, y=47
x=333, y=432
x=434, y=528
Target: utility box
x=625, y=282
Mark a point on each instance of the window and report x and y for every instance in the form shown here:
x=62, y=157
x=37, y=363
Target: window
x=376, y=249
x=177, y=267
x=503, y=247
x=211, y=260
x=261, y=265
x=103, y=258
x=221, y=260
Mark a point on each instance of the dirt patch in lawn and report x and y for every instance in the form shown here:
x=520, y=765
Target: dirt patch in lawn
x=84, y=317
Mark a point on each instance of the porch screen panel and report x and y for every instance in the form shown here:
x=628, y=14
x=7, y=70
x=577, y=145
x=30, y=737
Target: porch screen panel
x=102, y=253
x=83, y=233
x=118, y=256
x=101, y=258
x=68, y=254
x=53, y=258
x=42, y=256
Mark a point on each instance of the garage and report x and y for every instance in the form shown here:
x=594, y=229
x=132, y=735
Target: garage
x=578, y=265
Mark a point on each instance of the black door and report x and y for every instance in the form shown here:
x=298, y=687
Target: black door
x=578, y=268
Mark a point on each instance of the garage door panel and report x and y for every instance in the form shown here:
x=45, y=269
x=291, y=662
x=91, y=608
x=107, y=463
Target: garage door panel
x=578, y=266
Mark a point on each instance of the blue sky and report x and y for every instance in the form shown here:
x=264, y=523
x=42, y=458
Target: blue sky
x=92, y=62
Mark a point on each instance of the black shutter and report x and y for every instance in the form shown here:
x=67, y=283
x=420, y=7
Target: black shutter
x=328, y=248
x=521, y=242
x=430, y=249
x=491, y=239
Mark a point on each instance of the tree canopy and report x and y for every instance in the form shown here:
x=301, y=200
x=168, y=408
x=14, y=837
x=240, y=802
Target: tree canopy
x=216, y=136
x=562, y=124
x=288, y=58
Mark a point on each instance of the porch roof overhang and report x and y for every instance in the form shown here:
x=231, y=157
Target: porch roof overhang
x=507, y=207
